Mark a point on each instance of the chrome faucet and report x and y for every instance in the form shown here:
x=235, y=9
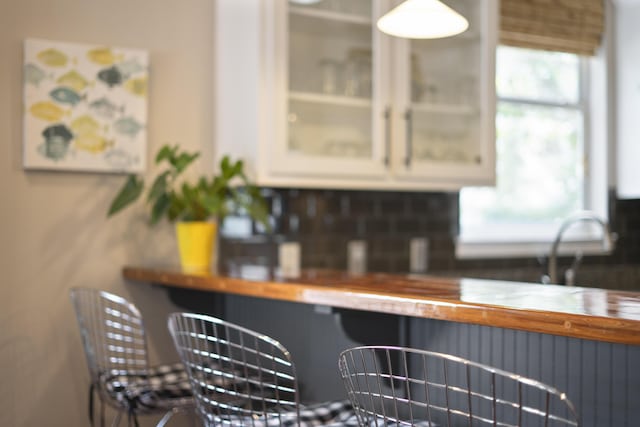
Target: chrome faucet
x=608, y=243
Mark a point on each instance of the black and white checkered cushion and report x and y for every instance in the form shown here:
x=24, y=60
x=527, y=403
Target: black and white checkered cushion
x=148, y=390
x=334, y=413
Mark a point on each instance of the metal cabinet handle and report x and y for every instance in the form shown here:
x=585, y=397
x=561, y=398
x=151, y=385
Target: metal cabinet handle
x=387, y=135
x=408, y=117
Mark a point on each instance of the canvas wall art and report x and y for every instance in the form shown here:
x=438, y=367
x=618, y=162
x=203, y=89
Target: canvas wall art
x=85, y=107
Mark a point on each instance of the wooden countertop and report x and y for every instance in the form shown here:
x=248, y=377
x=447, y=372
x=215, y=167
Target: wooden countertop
x=589, y=313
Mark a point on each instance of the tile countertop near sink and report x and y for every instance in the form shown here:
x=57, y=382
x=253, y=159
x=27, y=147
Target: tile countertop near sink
x=588, y=313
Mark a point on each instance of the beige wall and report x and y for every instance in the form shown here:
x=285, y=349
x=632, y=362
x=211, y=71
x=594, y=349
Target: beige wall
x=53, y=230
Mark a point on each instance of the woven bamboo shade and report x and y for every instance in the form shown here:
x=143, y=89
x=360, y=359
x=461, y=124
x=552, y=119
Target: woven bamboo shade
x=573, y=26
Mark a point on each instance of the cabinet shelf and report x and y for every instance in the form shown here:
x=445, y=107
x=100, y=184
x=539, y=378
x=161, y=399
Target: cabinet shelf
x=336, y=100
x=329, y=15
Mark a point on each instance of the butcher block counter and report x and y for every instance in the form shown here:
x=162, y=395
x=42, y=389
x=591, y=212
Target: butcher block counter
x=587, y=313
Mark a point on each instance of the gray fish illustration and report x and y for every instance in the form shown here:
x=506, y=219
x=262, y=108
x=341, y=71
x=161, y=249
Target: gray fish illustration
x=34, y=74
x=105, y=108
x=111, y=76
x=128, y=126
x=56, y=143
x=130, y=67
x=64, y=95
x=120, y=159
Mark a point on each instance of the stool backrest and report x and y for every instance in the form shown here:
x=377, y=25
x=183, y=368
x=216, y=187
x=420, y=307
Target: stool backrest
x=404, y=386
x=113, y=335
x=238, y=376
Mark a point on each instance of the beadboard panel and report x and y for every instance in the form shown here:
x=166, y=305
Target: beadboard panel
x=600, y=378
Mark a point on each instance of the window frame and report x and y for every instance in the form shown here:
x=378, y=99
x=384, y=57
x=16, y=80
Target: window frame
x=513, y=242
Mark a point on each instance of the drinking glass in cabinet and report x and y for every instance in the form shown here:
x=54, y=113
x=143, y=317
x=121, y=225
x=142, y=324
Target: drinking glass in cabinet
x=358, y=73
x=330, y=75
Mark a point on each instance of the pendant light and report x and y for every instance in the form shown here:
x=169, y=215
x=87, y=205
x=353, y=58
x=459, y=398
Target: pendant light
x=422, y=19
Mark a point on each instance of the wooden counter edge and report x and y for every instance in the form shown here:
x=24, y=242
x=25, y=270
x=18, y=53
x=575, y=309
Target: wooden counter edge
x=582, y=326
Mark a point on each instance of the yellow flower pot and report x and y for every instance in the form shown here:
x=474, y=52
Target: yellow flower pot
x=196, y=243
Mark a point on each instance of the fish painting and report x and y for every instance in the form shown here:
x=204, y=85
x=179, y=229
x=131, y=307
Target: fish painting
x=85, y=124
x=65, y=95
x=53, y=58
x=74, y=80
x=130, y=67
x=105, y=108
x=77, y=113
x=111, y=76
x=128, y=126
x=47, y=110
x=103, y=56
x=93, y=143
x=56, y=142
x=137, y=86
x=33, y=74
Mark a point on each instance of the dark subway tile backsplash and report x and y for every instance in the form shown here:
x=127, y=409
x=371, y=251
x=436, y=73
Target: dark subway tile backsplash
x=324, y=221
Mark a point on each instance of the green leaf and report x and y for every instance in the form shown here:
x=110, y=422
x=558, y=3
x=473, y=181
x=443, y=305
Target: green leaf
x=127, y=195
x=166, y=153
x=176, y=207
x=160, y=207
x=159, y=187
x=184, y=160
x=213, y=203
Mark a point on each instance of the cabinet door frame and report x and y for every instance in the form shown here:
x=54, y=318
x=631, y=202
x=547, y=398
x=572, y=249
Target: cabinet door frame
x=279, y=161
x=449, y=173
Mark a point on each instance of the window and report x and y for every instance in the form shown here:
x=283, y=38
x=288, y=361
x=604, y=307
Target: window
x=541, y=152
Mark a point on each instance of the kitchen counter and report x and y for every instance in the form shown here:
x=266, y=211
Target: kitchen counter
x=588, y=313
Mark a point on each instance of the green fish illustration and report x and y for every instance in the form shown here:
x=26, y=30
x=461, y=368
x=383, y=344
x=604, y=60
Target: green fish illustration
x=111, y=76
x=120, y=159
x=128, y=126
x=53, y=57
x=57, y=138
x=64, y=95
x=34, y=74
x=130, y=67
x=105, y=108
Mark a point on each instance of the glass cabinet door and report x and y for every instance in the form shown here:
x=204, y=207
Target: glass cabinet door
x=447, y=127
x=333, y=101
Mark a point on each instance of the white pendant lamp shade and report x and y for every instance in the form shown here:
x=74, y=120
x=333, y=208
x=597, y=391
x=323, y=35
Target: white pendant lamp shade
x=422, y=19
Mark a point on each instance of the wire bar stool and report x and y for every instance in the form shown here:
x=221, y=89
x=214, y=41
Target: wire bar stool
x=243, y=378
x=409, y=387
x=115, y=346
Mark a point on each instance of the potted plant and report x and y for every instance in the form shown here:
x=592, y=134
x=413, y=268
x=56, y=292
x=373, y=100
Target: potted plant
x=198, y=208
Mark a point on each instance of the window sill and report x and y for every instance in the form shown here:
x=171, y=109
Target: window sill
x=511, y=249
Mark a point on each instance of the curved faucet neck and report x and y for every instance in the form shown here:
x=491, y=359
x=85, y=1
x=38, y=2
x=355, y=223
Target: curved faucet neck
x=579, y=217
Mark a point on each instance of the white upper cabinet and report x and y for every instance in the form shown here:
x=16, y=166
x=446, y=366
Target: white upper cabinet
x=627, y=39
x=312, y=94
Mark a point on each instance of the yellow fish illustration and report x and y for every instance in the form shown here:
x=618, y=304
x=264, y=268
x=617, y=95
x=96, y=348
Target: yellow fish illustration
x=103, y=56
x=85, y=124
x=137, y=86
x=53, y=57
x=74, y=80
x=92, y=143
x=48, y=111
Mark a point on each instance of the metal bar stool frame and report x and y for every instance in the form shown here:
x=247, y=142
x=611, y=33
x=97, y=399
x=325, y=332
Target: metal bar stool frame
x=239, y=377
x=409, y=387
x=115, y=346
x=243, y=378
